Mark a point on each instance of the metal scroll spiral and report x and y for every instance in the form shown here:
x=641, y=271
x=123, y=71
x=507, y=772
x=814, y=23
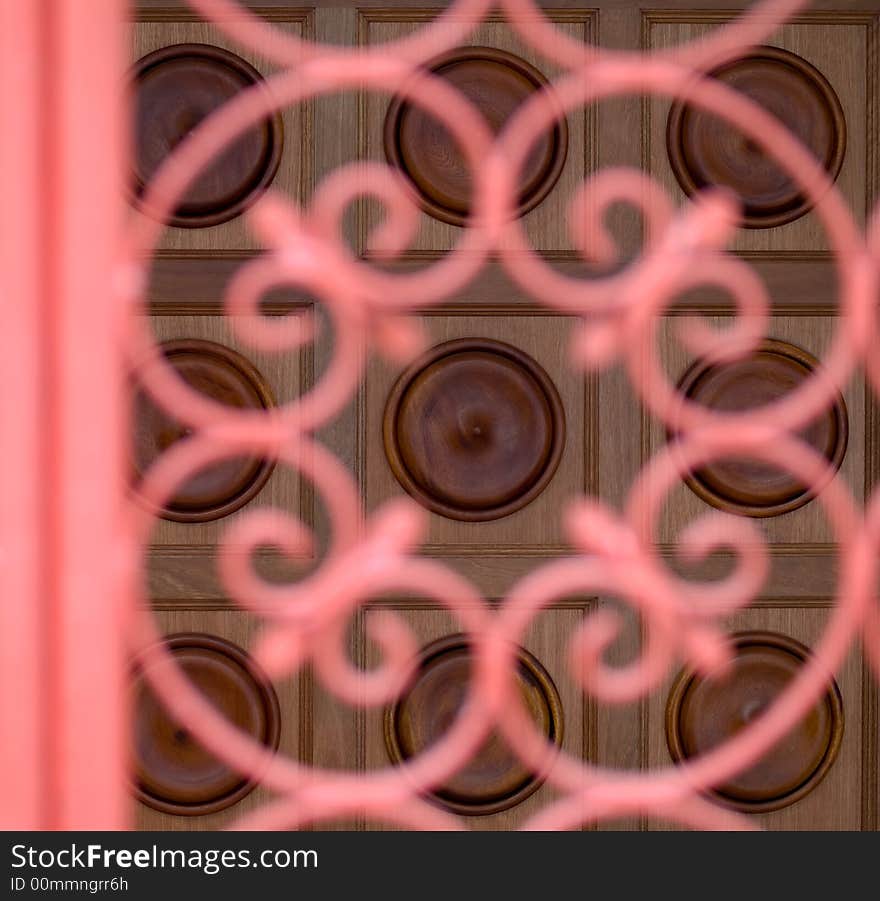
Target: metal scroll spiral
x=368, y=306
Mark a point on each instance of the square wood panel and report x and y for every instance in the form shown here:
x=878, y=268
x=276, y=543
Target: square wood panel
x=836, y=802
x=239, y=628
x=839, y=45
x=294, y=172
x=546, y=225
x=536, y=527
x=546, y=640
x=183, y=552
x=805, y=526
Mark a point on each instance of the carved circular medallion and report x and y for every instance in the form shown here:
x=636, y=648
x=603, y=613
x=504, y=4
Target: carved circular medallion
x=494, y=779
x=175, y=88
x=474, y=430
x=228, y=378
x=750, y=487
x=705, y=151
x=496, y=83
x=173, y=772
x=704, y=713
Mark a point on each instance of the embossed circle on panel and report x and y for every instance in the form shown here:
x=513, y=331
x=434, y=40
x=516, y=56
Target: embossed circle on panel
x=474, y=430
x=704, y=151
x=703, y=713
x=494, y=779
x=173, y=772
x=228, y=378
x=753, y=488
x=496, y=83
x=175, y=88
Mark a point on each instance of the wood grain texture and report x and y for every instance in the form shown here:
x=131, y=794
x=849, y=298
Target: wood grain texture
x=620, y=740
x=546, y=224
x=294, y=171
x=806, y=525
x=545, y=339
x=838, y=48
x=186, y=574
x=238, y=628
x=800, y=574
x=811, y=285
x=546, y=640
x=836, y=802
x=196, y=284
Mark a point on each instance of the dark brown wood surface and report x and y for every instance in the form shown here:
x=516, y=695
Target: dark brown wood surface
x=705, y=152
x=749, y=487
x=474, y=429
x=494, y=780
x=224, y=376
x=496, y=83
x=704, y=712
x=173, y=771
x=175, y=89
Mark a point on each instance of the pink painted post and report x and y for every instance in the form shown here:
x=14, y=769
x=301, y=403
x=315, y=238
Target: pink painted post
x=88, y=540
x=22, y=608
x=64, y=610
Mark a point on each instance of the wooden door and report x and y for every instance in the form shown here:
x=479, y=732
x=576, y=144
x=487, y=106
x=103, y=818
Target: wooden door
x=493, y=431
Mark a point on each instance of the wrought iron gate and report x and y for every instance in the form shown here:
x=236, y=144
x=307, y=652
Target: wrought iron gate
x=73, y=541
